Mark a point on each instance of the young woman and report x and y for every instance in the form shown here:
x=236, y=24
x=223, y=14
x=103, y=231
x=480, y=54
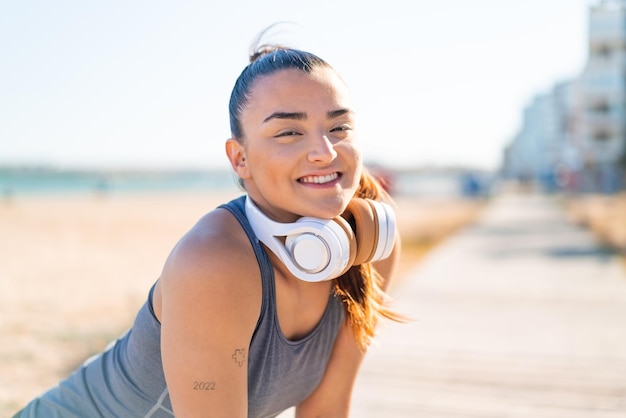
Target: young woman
x=254, y=312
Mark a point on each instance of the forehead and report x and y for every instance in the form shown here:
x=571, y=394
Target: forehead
x=293, y=86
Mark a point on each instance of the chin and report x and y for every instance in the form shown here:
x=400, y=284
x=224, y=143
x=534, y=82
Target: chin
x=330, y=209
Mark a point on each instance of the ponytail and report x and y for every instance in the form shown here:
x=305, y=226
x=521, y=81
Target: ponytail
x=360, y=288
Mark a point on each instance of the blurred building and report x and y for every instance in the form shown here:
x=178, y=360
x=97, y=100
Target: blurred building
x=547, y=149
x=604, y=92
x=574, y=137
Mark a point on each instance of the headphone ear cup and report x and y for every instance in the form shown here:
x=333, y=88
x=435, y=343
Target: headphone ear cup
x=323, y=248
x=386, y=229
x=352, y=239
x=364, y=216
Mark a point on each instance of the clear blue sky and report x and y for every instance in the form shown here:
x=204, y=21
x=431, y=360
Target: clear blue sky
x=146, y=83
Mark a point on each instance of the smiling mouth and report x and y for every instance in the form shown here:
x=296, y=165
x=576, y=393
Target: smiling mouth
x=319, y=179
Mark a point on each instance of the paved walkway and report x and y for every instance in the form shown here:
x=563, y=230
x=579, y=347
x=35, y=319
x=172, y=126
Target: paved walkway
x=522, y=315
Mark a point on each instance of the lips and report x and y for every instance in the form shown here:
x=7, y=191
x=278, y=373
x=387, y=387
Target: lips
x=319, y=179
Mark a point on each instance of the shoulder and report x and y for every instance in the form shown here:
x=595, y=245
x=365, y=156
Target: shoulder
x=217, y=241
x=214, y=266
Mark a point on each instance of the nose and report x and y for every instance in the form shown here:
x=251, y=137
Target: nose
x=322, y=150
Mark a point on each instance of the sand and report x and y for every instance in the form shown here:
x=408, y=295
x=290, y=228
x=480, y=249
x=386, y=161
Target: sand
x=75, y=269
x=603, y=215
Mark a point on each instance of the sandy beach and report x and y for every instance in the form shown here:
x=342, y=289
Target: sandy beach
x=75, y=269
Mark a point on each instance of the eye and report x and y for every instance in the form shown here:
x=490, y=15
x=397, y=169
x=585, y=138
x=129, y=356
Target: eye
x=287, y=134
x=341, y=132
x=341, y=128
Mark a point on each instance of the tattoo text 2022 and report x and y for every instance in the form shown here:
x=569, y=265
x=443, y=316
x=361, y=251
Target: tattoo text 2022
x=203, y=385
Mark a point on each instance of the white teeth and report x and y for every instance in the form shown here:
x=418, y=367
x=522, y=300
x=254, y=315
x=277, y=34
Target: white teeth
x=320, y=179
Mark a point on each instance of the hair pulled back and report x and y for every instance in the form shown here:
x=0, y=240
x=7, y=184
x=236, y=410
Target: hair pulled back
x=265, y=60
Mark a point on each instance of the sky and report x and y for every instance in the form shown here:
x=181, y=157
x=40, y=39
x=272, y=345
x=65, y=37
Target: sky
x=146, y=83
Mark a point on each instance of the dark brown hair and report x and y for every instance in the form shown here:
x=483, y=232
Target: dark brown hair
x=266, y=60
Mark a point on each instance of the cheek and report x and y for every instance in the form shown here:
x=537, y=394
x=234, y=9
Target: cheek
x=352, y=152
x=357, y=156
x=354, y=160
x=266, y=165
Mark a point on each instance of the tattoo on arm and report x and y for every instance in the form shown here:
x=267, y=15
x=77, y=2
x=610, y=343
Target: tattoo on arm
x=239, y=356
x=203, y=385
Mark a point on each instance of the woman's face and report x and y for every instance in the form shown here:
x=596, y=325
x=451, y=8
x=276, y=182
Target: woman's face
x=299, y=155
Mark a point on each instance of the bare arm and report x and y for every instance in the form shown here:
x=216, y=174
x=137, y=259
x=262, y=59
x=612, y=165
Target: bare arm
x=209, y=307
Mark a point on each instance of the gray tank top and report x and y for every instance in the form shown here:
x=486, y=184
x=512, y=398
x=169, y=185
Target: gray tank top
x=127, y=379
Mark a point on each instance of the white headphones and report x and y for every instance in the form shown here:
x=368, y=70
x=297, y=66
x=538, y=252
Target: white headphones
x=320, y=249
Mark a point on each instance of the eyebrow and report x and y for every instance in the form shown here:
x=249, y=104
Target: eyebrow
x=339, y=112
x=286, y=115
x=302, y=116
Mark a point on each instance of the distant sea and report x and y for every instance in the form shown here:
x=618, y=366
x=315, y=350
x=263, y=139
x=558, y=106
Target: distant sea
x=38, y=181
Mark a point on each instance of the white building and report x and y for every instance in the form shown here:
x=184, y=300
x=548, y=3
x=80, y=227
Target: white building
x=603, y=84
x=547, y=143
x=576, y=133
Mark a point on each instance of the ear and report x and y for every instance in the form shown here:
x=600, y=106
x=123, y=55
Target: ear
x=236, y=154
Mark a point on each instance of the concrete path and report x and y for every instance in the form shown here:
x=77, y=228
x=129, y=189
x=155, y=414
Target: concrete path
x=522, y=315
